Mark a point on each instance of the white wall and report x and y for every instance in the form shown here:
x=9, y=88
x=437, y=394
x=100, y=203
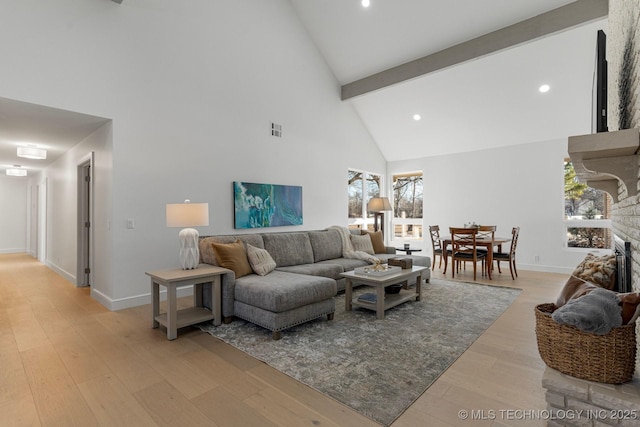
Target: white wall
x=13, y=214
x=62, y=210
x=521, y=185
x=192, y=88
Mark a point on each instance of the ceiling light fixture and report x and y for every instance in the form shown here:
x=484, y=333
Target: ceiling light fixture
x=366, y=3
x=416, y=117
x=32, y=152
x=17, y=170
x=544, y=88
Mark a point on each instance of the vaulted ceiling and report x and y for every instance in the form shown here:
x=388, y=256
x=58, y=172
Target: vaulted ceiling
x=489, y=101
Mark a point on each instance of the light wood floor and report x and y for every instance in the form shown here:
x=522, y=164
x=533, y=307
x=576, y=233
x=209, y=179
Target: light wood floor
x=66, y=360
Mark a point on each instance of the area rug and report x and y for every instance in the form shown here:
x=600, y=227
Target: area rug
x=378, y=367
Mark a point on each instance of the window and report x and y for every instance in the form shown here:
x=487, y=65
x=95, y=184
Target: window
x=586, y=213
x=361, y=186
x=407, y=205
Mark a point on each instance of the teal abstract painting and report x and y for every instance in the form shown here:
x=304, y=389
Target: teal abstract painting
x=266, y=205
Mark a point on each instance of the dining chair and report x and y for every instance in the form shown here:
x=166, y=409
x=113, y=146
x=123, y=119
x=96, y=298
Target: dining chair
x=510, y=257
x=464, y=249
x=486, y=232
x=436, y=245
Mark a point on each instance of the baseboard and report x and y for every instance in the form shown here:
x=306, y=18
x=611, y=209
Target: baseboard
x=68, y=276
x=538, y=267
x=13, y=251
x=136, y=300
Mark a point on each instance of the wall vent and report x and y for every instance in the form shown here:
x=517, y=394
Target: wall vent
x=276, y=130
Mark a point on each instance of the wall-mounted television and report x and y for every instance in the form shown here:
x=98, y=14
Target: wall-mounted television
x=600, y=90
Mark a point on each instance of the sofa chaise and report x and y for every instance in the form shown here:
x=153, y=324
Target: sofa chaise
x=301, y=281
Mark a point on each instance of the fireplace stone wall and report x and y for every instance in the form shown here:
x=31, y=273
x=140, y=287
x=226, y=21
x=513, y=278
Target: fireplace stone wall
x=623, y=56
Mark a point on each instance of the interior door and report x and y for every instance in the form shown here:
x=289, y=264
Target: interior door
x=84, y=225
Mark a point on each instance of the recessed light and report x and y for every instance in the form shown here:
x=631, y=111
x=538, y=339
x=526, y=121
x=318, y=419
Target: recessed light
x=366, y=3
x=544, y=88
x=416, y=117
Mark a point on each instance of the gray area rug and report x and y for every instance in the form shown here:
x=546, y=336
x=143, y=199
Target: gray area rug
x=378, y=367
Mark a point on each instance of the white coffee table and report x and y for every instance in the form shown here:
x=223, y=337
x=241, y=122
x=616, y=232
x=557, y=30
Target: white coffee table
x=383, y=301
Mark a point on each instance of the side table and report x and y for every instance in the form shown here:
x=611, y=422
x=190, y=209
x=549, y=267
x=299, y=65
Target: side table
x=408, y=251
x=174, y=278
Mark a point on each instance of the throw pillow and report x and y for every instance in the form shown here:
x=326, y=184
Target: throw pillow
x=260, y=260
x=600, y=270
x=377, y=241
x=232, y=256
x=362, y=243
x=630, y=307
x=574, y=288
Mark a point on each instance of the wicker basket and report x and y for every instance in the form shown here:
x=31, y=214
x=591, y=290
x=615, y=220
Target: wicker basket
x=606, y=358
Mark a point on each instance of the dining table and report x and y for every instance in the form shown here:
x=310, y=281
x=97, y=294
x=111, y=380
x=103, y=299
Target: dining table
x=486, y=242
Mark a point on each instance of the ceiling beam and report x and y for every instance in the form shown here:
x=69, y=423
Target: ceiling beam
x=562, y=18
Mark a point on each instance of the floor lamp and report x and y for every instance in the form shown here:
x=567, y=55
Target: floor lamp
x=378, y=205
x=188, y=215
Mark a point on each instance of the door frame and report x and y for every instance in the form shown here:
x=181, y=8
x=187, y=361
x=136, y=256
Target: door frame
x=41, y=226
x=85, y=224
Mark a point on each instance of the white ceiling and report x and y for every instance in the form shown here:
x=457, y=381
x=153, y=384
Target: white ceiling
x=488, y=102
x=53, y=129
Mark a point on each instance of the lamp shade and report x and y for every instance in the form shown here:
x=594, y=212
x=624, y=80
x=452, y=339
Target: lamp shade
x=32, y=152
x=379, y=204
x=187, y=214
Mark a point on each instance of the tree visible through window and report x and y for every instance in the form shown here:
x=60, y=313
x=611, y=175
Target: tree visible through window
x=361, y=186
x=586, y=212
x=407, y=205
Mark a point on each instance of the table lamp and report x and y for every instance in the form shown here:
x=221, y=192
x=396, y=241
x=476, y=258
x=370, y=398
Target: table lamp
x=378, y=205
x=188, y=215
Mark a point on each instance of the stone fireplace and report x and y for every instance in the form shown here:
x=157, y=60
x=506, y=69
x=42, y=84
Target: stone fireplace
x=610, y=160
x=615, y=159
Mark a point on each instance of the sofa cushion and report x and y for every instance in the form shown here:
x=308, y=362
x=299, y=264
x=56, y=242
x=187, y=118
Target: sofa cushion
x=208, y=256
x=260, y=260
x=232, y=256
x=600, y=270
x=362, y=243
x=316, y=269
x=325, y=244
x=347, y=264
x=281, y=291
x=289, y=248
x=377, y=241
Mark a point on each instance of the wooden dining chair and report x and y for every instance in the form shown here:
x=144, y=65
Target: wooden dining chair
x=464, y=249
x=486, y=231
x=510, y=257
x=436, y=245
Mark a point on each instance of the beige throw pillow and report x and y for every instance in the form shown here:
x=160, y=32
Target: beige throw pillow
x=362, y=243
x=261, y=261
x=232, y=256
x=600, y=270
x=377, y=241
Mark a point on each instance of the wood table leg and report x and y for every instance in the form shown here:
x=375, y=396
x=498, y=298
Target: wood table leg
x=348, y=292
x=380, y=302
x=216, y=301
x=155, y=304
x=172, y=313
x=419, y=287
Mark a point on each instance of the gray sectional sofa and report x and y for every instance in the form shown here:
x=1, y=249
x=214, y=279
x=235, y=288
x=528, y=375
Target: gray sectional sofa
x=303, y=284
